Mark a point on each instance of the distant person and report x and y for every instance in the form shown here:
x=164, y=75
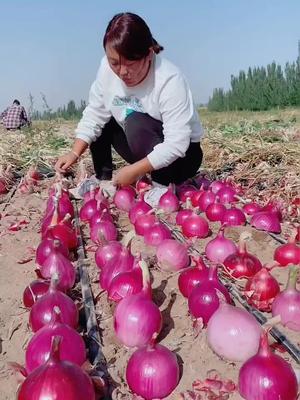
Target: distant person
x=14, y=117
x=141, y=104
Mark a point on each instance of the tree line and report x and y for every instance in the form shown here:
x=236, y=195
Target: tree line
x=260, y=89
x=69, y=111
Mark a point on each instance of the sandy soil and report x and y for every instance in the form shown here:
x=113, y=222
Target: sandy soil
x=195, y=356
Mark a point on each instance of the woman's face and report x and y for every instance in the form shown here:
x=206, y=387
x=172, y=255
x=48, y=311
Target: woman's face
x=131, y=72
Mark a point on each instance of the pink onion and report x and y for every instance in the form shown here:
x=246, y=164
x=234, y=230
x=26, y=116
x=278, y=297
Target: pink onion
x=191, y=277
x=233, y=217
x=63, y=233
x=136, y=317
x=45, y=248
x=215, y=211
x=56, y=262
x=103, y=231
x=185, y=191
x=226, y=195
x=156, y=234
x=233, y=333
x=106, y=252
x=242, y=264
x=65, y=205
x=152, y=372
x=169, y=202
x=204, y=299
x=124, y=262
x=89, y=208
x=143, y=184
x=206, y=199
x=34, y=291
x=287, y=303
x=126, y=284
x=144, y=222
x=72, y=347
x=92, y=194
x=57, y=379
x=266, y=221
x=202, y=181
x=274, y=208
x=41, y=311
x=172, y=255
x=261, y=290
x=267, y=376
x=124, y=198
x=251, y=208
x=195, y=196
x=195, y=226
x=99, y=216
x=140, y=207
x=288, y=253
x=219, y=248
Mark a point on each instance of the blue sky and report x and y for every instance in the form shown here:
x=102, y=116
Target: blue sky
x=55, y=47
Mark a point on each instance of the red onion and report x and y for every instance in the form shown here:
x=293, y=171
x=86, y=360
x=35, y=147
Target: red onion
x=191, y=277
x=3, y=188
x=195, y=226
x=72, y=347
x=226, y=195
x=274, y=208
x=144, y=222
x=195, y=196
x=266, y=221
x=56, y=262
x=140, y=207
x=206, y=199
x=288, y=253
x=99, y=216
x=233, y=217
x=216, y=186
x=103, y=232
x=152, y=372
x=34, y=291
x=57, y=379
x=215, y=211
x=46, y=247
x=106, y=252
x=261, y=290
x=172, y=255
x=202, y=181
x=267, y=376
x=156, y=234
x=136, y=317
x=89, y=208
x=204, y=299
x=124, y=262
x=63, y=233
x=287, y=303
x=251, y=208
x=92, y=194
x=143, y=184
x=169, y=202
x=126, y=284
x=124, y=198
x=242, y=264
x=65, y=205
x=185, y=191
x=240, y=333
x=41, y=311
x=182, y=215
x=219, y=248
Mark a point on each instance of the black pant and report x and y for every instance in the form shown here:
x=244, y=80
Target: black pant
x=141, y=134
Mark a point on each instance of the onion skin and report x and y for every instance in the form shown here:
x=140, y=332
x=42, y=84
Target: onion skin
x=57, y=380
x=287, y=303
x=266, y=221
x=37, y=288
x=152, y=372
x=266, y=376
x=240, y=333
x=261, y=290
x=251, y=208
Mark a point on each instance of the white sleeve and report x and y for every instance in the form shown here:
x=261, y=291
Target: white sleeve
x=95, y=115
x=177, y=109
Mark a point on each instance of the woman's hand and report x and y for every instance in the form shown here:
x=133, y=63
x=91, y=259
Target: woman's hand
x=65, y=161
x=126, y=176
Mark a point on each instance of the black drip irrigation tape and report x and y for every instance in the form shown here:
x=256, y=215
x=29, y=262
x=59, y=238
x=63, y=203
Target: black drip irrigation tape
x=96, y=356
x=291, y=348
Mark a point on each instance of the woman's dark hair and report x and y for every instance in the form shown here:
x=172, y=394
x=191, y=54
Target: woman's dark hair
x=16, y=102
x=130, y=36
